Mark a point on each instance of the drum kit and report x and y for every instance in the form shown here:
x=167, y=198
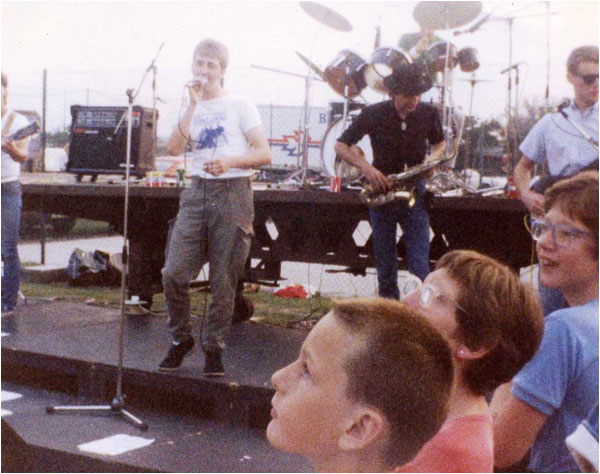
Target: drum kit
x=348, y=74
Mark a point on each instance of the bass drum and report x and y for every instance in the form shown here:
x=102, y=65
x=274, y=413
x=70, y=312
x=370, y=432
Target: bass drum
x=333, y=165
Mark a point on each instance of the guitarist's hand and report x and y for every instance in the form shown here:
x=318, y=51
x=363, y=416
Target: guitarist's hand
x=376, y=178
x=534, y=202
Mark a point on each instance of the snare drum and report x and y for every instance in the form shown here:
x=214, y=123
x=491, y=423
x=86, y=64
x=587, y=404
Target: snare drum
x=336, y=167
x=335, y=73
x=384, y=61
x=467, y=58
x=437, y=56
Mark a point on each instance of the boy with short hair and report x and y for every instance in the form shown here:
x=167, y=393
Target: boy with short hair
x=369, y=388
x=559, y=386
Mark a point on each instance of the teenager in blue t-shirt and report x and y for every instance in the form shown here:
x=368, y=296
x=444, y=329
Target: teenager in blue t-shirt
x=559, y=386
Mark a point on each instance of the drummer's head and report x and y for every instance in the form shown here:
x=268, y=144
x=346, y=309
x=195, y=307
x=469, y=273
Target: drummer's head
x=406, y=84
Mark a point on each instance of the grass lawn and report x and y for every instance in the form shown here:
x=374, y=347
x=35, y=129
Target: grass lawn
x=268, y=308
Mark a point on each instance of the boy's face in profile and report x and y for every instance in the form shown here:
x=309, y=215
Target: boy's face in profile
x=310, y=406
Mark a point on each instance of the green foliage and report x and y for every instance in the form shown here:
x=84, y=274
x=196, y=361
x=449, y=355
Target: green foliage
x=58, y=138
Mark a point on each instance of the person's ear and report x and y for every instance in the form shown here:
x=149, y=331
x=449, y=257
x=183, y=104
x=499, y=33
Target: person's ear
x=465, y=353
x=365, y=427
x=570, y=78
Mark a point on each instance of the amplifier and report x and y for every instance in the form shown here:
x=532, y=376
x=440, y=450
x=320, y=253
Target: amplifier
x=97, y=146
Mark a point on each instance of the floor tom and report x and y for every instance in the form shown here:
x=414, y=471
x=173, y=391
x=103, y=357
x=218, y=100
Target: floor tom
x=333, y=165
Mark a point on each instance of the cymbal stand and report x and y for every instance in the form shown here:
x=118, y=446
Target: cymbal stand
x=117, y=406
x=447, y=102
x=303, y=137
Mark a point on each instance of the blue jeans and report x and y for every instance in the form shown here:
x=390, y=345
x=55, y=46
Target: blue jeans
x=415, y=232
x=11, y=223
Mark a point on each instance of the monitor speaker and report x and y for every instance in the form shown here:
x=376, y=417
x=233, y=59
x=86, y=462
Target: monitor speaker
x=98, y=146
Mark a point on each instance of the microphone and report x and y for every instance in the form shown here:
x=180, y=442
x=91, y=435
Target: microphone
x=201, y=81
x=514, y=66
x=563, y=105
x=473, y=28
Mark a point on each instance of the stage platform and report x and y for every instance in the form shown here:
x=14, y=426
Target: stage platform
x=66, y=353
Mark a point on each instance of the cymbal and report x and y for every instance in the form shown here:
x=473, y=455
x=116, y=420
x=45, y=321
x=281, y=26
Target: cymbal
x=327, y=16
x=445, y=15
x=313, y=67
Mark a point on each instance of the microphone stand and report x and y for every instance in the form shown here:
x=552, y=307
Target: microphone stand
x=118, y=403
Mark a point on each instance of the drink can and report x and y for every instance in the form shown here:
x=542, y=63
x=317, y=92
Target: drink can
x=335, y=184
x=149, y=179
x=180, y=177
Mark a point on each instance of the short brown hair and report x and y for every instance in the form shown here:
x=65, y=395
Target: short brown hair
x=583, y=54
x=214, y=48
x=577, y=197
x=4, y=80
x=500, y=313
x=404, y=369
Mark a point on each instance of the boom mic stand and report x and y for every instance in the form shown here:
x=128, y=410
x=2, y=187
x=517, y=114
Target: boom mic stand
x=118, y=403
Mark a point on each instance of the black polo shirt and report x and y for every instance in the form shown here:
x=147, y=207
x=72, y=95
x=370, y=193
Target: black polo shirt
x=392, y=146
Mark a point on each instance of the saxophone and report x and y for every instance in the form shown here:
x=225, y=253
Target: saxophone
x=404, y=184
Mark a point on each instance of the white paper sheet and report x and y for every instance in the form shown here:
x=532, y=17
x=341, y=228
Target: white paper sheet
x=4, y=412
x=7, y=396
x=114, y=445
x=5, y=334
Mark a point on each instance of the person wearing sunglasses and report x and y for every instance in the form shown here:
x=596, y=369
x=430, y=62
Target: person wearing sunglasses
x=554, y=144
x=493, y=324
x=557, y=389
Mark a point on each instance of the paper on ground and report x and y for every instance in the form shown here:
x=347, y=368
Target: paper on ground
x=4, y=412
x=114, y=445
x=7, y=396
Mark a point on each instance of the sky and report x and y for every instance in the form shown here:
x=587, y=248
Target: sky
x=94, y=51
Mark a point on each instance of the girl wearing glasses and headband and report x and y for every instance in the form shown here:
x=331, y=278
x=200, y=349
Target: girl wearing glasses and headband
x=493, y=324
x=557, y=389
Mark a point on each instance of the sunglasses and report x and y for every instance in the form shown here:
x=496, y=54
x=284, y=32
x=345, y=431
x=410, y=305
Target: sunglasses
x=588, y=78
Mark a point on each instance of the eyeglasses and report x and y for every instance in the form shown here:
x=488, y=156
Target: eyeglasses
x=429, y=294
x=588, y=78
x=562, y=235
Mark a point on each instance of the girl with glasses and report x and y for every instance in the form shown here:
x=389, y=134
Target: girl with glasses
x=493, y=324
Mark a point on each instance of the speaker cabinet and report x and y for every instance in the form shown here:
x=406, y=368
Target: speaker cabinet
x=97, y=146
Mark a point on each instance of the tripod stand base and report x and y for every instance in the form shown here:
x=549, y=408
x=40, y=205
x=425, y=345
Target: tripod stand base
x=116, y=408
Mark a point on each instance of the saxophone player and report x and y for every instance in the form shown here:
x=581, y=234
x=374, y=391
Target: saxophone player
x=400, y=130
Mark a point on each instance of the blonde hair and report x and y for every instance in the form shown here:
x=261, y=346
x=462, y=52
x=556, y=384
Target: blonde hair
x=213, y=48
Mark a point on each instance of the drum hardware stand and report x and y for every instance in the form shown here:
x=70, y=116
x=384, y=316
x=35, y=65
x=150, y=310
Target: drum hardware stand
x=509, y=119
x=299, y=175
x=118, y=403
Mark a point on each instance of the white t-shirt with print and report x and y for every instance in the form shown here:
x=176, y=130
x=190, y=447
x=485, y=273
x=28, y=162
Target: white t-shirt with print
x=218, y=129
x=11, y=169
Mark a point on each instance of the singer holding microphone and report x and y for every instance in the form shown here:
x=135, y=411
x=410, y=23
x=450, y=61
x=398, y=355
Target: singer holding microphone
x=556, y=145
x=214, y=222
